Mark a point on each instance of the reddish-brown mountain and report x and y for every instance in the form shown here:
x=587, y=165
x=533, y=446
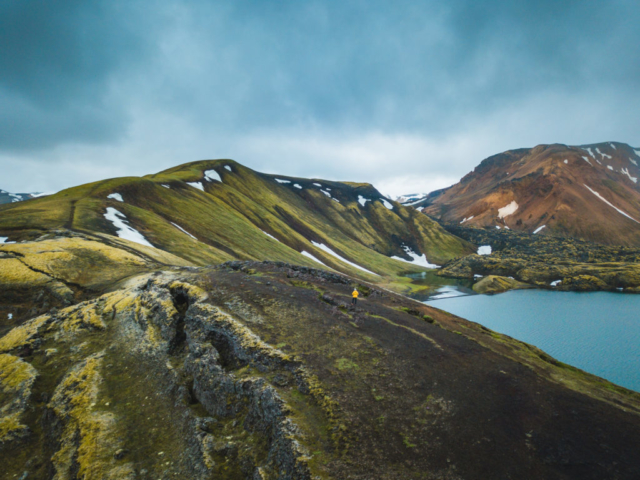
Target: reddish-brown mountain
x=589, y=192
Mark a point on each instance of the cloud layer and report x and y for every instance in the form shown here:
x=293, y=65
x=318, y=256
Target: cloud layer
x=408, y=96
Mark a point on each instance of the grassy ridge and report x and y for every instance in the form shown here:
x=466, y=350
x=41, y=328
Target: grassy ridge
x=228, y=219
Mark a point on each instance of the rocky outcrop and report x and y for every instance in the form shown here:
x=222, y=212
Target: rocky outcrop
x=548, y=262
x=263, y=370
x=498, y=284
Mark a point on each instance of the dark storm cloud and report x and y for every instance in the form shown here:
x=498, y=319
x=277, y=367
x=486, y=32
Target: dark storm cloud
x=57, y=59
x=214, y=78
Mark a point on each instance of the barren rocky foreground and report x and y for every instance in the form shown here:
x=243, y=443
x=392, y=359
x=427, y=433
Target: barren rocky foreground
x=263, y=370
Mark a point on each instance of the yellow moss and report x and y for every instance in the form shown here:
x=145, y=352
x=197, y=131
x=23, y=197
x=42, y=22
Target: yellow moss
x=10, y=427
x=78, y=317
x=73, y=402
x=21, y=335
x=14, y=273
x=15, y=374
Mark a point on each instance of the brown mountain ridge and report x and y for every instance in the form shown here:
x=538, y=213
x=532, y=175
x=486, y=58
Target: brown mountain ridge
x=589, y=192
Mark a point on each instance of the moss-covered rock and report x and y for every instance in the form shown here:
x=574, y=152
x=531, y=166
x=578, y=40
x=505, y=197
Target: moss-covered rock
x=497, y=284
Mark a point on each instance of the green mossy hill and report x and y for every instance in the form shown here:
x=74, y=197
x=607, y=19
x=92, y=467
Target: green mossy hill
x=497, y=284
x=540, y=260
x=65, y=267
x=213, y=211
x=263, y=370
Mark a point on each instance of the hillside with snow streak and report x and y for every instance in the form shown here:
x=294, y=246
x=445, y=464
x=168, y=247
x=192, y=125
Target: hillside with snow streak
x=588, y=192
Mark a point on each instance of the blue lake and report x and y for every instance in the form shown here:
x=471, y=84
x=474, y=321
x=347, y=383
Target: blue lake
x=598, y=332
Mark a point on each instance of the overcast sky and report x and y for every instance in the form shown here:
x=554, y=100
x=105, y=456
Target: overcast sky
x=407, y=95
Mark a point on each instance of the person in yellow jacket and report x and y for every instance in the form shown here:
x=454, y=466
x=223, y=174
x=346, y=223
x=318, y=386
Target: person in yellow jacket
x=355, y=294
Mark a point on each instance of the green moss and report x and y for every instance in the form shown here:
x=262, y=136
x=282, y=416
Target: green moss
x=346, y=364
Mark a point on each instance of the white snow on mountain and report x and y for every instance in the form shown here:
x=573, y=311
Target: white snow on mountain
x=603, y=154
x=227, y=167
x=297, y=186
x=183, y=230
x=362, y=201
x=466, y=219
x=386, y=204
x=269, y=235
x=484, y=250
x=166, y=186
x=610, y=204
x=323, y=247
x=307, y=254
x=507, y=210
x=587, y=160
x=539, y=229
x=326, y=193
x=317, y=185
x=212, y=175
x=115, y=196
x=633, y=161
x=626, y=172
x=566, y=161
x=197, y=185
x=590, y=153
x=612, y=146
x=555, y=283
x=282, y=181
x=125, y=231
x=419, y=260
x=609, y=167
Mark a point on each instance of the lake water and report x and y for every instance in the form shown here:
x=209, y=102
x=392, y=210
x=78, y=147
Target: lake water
x=598, y=332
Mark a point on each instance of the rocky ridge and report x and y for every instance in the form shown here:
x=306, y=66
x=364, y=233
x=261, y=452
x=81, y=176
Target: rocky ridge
x=263, y=370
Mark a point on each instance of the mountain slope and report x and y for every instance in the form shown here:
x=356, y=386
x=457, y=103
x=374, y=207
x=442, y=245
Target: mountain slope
x=256, y=370
x=588, y=192
x=214, y=211
x=7, y=197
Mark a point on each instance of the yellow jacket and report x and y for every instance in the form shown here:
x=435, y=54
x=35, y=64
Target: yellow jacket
x=355, y=294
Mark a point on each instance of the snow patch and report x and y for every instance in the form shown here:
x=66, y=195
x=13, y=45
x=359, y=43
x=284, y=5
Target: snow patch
x=539, y=229
x=323, y=247
x=603, y=154
x=477, y=275
x=227, y=167
x=282, y=181
x=466, y=219
x=116, y=196
x=555, y=283
x=326, y=193
x=124, y=230
x=612, y=146
x=269, y=235
x=498, y=227
x=609, y=167
x=587, y=160
x=212, y=175
x=183, y=230
x=633, y=161
x=3, y=240
x=297, y=186
x=317, y=185
x=307, y=254
x=9, y=316
x=166, y=186
x=484, y=250
x=197, y=185
x=637, y=152
x=419, y=260
x=386, y=204
x=610, y=204
x=507, y=210
x=362, y=200
x=590, y=153
x=566, y=161
x=626, y=172
x=44, y=194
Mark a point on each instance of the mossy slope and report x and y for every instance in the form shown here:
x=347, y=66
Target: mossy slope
x=229, y=219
